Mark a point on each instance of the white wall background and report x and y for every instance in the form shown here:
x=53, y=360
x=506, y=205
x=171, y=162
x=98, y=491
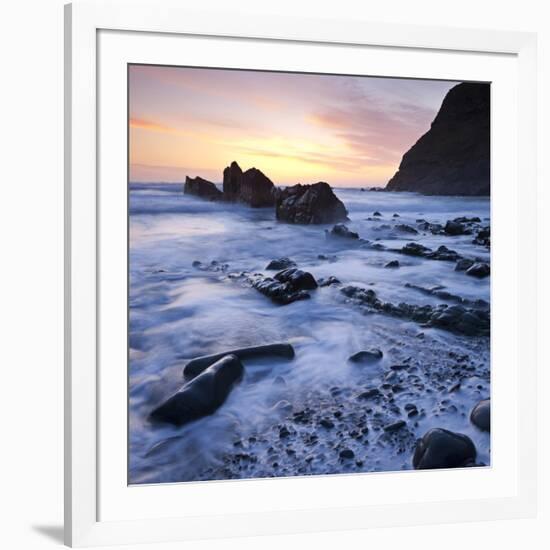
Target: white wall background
x=31, y=274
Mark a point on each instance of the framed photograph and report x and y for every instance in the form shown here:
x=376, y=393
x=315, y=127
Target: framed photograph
x=299, y=293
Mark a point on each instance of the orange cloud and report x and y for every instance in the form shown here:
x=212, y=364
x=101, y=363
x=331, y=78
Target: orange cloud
x=150, y=125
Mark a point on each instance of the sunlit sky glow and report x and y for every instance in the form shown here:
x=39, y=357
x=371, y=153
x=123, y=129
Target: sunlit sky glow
x=296, y=128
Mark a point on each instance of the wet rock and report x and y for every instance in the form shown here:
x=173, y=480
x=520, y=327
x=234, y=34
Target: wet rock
x=395, y=216
x=201, y=188
x=278, y=292
x=366, y=356
x=296, y=279
x=232, y=181
x=392, y=264
x=444, y=254
x=464, y=219
x=279, y=350
x=213, y=266
x=373, y=393
x=280, y=263
x=377, y=214
x=479, y=270
x=257, y=189
x=481, y=415
x=329, y=281
x=463, y=264
x=396, y=426
x=347, y=454
x=326, y=423
x=341, y=230
x=406, y=228
x=415, y=249
x=454, y=228
x=440, y=448
x=201, y=396
x=309, y=204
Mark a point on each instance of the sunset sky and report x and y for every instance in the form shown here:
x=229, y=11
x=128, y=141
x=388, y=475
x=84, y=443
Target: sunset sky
x=296, y=128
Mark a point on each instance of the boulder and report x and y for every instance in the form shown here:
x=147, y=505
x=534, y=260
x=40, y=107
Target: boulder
x=281, y=293
x=392, y=264
x=441, y=448
x=453, y=156
x=406, y=228
x=341, y=230
x=232, y=181
x=454, y=228
x=257, y=189
x=481, y=415
x=463, y=264
x=309, y=204
x=297, y=279
x=479, y=270
x=201, y=188
x=366, y=356
x=201, y=396
x=280, y=263
x=415, y=249
x=200, y=364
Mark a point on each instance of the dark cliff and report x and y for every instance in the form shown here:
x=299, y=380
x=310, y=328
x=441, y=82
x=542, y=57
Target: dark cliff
x=453, y=156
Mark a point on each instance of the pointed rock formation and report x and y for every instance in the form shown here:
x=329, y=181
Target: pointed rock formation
x=309, y=204
x=232, y=180
x=453, y=156
x=257, y=189
x=201, y=188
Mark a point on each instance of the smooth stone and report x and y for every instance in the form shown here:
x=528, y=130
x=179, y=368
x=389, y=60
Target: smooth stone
x=481, y=415
x=199, y=364
x=479, y=270
x=440, y=448
x=201, y=396
x=366, y=356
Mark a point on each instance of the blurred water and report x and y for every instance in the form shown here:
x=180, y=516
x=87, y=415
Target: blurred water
x=178, y=312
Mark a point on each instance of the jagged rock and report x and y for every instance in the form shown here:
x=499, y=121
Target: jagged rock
x=280, y=293
x=280, y=263
x=479, y=270
x=455, y=228
x=463, y=264
x=199, y=364
x=406, y=228
x=329, y=281
x=481, y=415
x=257, y=189
x=309, y=204
x=232, y=181
x=444, y=254
x=465, y=219
x=441, y=448
x=453, y=157
x=201, y=188
x=341, y=230
x=366, y=356
x=297, y=279
x=415, y=249
x=201, y=396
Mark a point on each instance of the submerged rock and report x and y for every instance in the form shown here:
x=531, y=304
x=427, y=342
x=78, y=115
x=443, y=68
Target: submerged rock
x=406, y=228
x=463, y=264
x=199, y=364
x=392, y=264
x=201, y=396
x=309, y=204
x=481, y=415
x=329, y=281
x=201, y=188
x=455, y=228
x=280, y=263
x=366, y=356
x=341, y=230
x=440, y=448
x=415, y=249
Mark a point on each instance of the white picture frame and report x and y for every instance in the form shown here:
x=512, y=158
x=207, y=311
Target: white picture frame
x=84, y=525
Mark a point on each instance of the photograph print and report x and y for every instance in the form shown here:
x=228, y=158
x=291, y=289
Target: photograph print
x=308, y=275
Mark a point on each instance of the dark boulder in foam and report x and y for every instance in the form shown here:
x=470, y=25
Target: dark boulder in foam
x=199, y=364
x=297, y=279
x=441, y=448
x=201, y=396
x=481, y=415
x=280, y=263
x=201, y=188
x=309, y=204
